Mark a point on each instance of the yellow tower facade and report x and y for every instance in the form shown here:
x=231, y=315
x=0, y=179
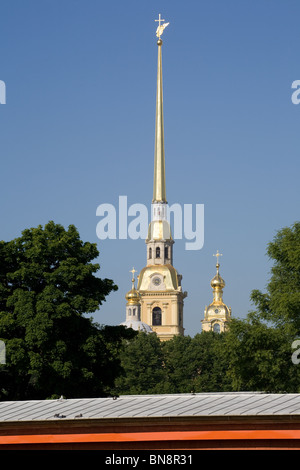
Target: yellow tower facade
x=217, y=315
x=159, y=284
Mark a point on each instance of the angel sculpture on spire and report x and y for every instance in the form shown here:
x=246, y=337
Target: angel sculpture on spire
x=161, y=27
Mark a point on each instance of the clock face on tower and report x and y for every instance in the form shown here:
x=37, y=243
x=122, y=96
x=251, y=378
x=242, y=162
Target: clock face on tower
x=156, y=281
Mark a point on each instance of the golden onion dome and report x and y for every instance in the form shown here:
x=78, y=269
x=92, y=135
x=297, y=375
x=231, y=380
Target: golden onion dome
x=217, y=281
x=133, y=296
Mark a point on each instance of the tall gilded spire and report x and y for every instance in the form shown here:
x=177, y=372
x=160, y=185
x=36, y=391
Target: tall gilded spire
x=159, y=284
x=159, y=184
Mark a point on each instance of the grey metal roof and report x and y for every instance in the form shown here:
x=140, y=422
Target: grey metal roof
x=153, y=406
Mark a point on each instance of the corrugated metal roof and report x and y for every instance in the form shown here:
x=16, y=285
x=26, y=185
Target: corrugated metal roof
x=153, y=406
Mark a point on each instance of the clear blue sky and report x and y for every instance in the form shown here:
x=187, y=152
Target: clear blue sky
x=77, y=129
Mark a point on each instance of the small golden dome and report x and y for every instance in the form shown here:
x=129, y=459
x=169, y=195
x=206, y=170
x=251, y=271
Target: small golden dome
x=217, y=280
x=133, y=296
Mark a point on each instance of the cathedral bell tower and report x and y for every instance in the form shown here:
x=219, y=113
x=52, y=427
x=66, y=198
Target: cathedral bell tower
x=159, y=284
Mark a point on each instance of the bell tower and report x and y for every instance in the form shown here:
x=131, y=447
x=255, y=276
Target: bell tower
x=159, y=284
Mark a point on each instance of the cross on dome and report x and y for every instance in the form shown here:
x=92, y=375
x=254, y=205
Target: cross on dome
x=217, y=256
x=132, y=271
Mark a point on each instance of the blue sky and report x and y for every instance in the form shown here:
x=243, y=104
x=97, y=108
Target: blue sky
x=77, y=129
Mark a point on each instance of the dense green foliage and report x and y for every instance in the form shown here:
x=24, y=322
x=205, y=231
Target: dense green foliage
x=255, y=354
x=180, y=365
x=251, y=356
x=47, y=285
x=281, y=304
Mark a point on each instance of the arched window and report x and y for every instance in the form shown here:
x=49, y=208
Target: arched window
x=166, y=252
x=157, y=253
x=150, y=253
x=156, y=316
x=216, y=328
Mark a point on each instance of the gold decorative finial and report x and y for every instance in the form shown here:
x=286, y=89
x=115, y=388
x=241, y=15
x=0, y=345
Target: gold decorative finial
x=132, y=296
x=161, y=27
x=133, y=279
x=217, y=256
x=132, y=271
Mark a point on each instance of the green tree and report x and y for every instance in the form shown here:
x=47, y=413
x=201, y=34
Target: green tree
x=142, y=362
x=177, y=364
x=180, y=365
x=259, y=348
x=48, y=285
x=210, y=364
x=259, y=357
x=281, y=303
x=195, y=364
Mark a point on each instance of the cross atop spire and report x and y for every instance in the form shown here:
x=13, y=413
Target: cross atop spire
x=132, y=271
x=159, y=20
x=161, y=27
x=217, y=256
x=133, y=279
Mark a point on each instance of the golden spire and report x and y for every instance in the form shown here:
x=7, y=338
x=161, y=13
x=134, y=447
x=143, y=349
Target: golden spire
x=159, y=185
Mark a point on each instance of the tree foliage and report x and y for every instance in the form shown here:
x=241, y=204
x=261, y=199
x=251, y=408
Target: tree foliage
x=195, y=364
x=180, y=365
x=255, y=354
x=259, y=357
x=142, y=366
x=48, y=285
x=281, y=303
